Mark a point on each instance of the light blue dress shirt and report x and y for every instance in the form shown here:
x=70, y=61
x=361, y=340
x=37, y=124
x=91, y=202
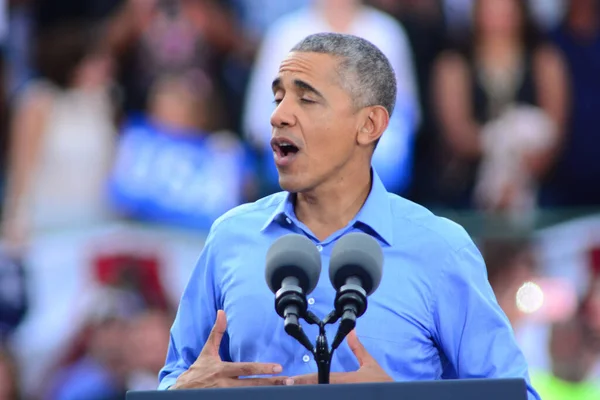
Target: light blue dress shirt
x=434, y=315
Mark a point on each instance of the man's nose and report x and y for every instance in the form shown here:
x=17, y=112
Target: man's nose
x=283, y=115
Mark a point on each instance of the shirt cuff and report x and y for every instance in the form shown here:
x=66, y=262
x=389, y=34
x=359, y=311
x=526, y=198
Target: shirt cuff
x=167, y=382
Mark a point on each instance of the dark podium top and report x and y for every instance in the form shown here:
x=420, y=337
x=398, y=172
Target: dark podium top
x=466, y=389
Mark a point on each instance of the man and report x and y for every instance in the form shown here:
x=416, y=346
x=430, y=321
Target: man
x=433, y=316
x=394, y=156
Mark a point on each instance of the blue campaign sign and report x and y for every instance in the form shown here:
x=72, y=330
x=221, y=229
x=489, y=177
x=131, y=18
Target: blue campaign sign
x=183, y=178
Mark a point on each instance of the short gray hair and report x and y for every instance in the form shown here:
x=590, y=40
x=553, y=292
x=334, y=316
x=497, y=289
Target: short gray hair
x=365, y=71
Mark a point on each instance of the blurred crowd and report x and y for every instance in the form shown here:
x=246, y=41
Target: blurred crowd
x=128, y=126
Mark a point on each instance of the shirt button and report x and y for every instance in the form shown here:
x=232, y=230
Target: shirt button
x=289, y=221
x=311, y=301
x=319, y=247
x=305, y=358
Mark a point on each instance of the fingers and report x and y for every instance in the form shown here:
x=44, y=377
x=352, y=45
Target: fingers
x=358, y=349
x=249, y=369
x=313, y=379
x=309, y=379
x=277, y=381
x=211, y=347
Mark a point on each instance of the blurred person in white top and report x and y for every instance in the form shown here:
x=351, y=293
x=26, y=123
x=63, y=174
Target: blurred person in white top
x=61, y=150
x=61, y=139
x=392, y=159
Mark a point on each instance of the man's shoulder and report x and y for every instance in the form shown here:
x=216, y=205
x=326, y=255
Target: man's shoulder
x=414, y=219
x=249, y=215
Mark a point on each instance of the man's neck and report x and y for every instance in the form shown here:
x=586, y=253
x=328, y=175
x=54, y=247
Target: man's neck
x=333, y=205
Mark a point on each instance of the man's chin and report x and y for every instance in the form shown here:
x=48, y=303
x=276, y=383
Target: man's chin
x=290, y=184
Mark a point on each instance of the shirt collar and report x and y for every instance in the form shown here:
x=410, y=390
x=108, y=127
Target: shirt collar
x=375, y=214
x=284, y=210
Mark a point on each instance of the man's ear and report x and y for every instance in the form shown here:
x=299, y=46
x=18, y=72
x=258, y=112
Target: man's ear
x=375, y=122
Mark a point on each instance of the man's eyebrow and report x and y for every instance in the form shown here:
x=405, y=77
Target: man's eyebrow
x=300, y=84
x=305, y=86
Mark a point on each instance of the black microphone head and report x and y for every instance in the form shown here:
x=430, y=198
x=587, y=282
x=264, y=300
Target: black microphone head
x=293, y=255
x=356, y=254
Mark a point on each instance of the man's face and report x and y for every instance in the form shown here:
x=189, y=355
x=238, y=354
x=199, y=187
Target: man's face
x=314, y=124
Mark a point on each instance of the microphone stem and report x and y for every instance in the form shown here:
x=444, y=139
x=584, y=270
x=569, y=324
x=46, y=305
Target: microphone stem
x=354, y=280
x=291, y=316
x=290, y=281
x=349, y=314
x=323, y=358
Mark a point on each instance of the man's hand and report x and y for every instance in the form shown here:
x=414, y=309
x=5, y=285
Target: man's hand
x=209, y=371
x=369, y=370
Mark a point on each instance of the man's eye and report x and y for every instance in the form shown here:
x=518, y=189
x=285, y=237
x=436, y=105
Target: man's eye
x=307, y=101
x=276, y=101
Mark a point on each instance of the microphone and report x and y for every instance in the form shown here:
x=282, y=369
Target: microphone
x=292, y=271
x=355, y=270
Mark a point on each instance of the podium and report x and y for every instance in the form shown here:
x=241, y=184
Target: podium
x=465, y=389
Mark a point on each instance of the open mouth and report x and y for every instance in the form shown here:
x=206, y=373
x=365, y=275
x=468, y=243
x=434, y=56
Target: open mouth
x=284, y=151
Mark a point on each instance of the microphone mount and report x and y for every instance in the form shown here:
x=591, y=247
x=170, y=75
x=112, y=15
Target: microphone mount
x=350, y=303
x=293, y=269
x=291, y=305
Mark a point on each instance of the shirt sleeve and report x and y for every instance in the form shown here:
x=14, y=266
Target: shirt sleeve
x=473, y=332
x=195, y=316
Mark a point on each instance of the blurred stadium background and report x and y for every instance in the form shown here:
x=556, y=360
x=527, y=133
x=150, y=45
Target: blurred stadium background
x=128, y=126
